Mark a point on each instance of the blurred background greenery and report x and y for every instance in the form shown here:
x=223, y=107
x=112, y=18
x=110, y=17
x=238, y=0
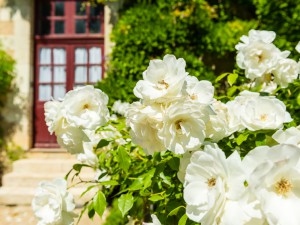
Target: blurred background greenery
x=203, y=32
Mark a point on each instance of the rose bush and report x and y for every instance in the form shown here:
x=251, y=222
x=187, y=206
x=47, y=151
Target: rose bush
x=186, y=154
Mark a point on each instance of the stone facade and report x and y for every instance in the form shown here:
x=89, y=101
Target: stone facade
x=17, y=38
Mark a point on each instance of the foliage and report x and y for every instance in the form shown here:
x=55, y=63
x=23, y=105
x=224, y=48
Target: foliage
x=6, y=87
x=193, y=30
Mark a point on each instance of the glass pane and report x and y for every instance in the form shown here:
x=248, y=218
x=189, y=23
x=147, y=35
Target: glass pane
x=80, y=26
x=45, y=74
x=45, y=55
x=95, y=11
x=45, y=9
x=44, y=92
x=95, y=55
x=80, y=9
x=59, y=56
x=80, y=56
x=94, y=26
x=59, y=91
x=59, y=27
x=95, y=74
x=59, y=9
x=59, y=74
x=44, y=27
x=80, y=74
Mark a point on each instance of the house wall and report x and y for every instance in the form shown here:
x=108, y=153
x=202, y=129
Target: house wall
x=16, y=36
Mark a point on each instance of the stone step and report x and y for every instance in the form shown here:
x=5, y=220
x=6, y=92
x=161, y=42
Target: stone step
x=15, y=179
x=24, y=196
x=46, y=165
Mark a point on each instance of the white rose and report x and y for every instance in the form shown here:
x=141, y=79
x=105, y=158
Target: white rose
x=274, y=179
x=163, y=80
x=200, y=91
x=53, y=204
x=285, y=72
x=257, y=55
x=184, y=162
x=71, y=138
x=217, y=126
x=85, y=107
x=120, y=107
x=144, y=122
x=53, y=116
x=88, y=157
x=235, y=107
x=264, y=112
x=214, y=189
x=184, y=126
x=289, y=136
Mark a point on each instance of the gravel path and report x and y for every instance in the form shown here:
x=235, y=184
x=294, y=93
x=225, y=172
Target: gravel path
x=23, y=215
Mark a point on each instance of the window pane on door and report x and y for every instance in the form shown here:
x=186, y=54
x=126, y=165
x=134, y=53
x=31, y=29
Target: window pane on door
x=80, y=74
x=59, y=9
x=45, y=74
x=59, y=56
x=95, y=74
x=44, y=92
x=95, y=55
x=80, y=26
x=80, y=56
x=59, y=74
x=45, y=56
x=59, y=91
x=80, y=9
x=59, y=27
x=94, y=26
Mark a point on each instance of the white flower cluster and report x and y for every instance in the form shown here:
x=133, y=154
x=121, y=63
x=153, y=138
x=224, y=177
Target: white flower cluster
x=83, y=109
x=53, y=204
x=120, y=107
x=264, y=62
x=173, y=110
x=177, y=112
x=263, y=188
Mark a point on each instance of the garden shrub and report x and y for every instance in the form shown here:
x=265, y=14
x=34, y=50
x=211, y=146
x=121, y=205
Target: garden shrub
x=6, y=86
x=203, y=32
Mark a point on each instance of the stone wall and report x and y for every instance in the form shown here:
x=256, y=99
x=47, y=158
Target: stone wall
x=16, y=37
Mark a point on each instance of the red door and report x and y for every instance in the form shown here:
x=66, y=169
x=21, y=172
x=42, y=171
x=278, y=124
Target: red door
x=69, y=49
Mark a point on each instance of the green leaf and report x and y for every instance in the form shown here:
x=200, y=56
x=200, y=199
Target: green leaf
x=232, y=78
x=99, y=203
x=298, y=99
x=175, y=211
x=109, y=182
x=91, y=211
x=155, y=198
x=220, y=77
x=123, y=158
x=103, y=143
x=241, y=138
x=125, y=203
x=77, y=167
x=183, y=220
x=87, y=190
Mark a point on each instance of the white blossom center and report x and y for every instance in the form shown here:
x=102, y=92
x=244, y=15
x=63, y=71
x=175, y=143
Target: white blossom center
x=283, y=186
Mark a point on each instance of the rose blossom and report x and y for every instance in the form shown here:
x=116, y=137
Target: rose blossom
x=53, y=204
x=274, y=178
x=85, y=107
x=145, y=122
x=257, y=55
x=162, y=81
x=184, y=126
x=214, y=189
